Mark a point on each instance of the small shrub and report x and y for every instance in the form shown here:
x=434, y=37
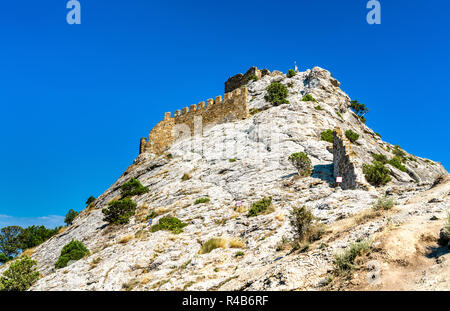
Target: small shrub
x=239, y=254
x=75, y=250
x=376, y=174
x=20, y=276
x=339, y=114
x=345, y=262
x=126, y=239
x=260, y=207
x=90, y=200
x=277, y=93
x=309, y=98
x=291, y=73
x=378, y=134
x=170, y=224
x=133, y=187
x=152, y=215
x=252, y=77
x=236, y=243
x=212, y=244
x=358, y=108
x=119, y=212
x=399, y=152
x=70, y=216
x=380, y=158
x=302, y=163
x=202, y=200
x=232, y=160
x=397, y=162
x=305, y=226
x=383, y=203
x=185, y=177
x=318, y=107
x=327, y=136
x=352, y=136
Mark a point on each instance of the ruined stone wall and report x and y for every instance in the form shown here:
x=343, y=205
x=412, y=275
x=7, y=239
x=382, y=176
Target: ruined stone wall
x=242, y=79
x=233, y=106
x=345, y=162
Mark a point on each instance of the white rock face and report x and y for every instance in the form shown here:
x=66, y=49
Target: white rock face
x=261, y=146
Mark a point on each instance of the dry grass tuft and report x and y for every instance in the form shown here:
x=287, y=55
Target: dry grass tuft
x=126, y=239
x=236, y=243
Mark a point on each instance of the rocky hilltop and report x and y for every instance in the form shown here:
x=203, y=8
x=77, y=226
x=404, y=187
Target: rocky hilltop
x=236, y=162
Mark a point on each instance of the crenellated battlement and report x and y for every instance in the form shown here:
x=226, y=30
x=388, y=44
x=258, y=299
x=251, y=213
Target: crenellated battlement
x=233, y=106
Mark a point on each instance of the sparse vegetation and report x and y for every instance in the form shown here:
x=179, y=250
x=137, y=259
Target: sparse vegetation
x=302, y=163
x=344, y=263
x=202, y=200
x=277, y=94
x=236, y=243
x=383, y=203
x=444, y=238
x=397, y=162
x=20, y=276
x=70, y=216
x=232, y=160
x=318, y=107
x=327, y=135
x=90, y=200
x=119, y=212
x=397, y=151
x=263, y=206
x=307, y=229
x=359, y=109
x=352, y=136
x=380, y=158
x=291, y=73
x=239, y=254
x=186, y=176
x=74, y=250
x=376, y=174
x=212, y=244
x=169, y=223
x=309, y=98
x=252, y=77
x=133, y=187
x=152, y=215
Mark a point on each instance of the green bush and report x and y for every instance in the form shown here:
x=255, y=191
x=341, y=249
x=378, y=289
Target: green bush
x=397, y=162
x=232, y=160
x=20, y=276
x=327, y=136
x=304, y=224
x=170, y=224
x=3, y=258
x=70, y=217
x=376, y=174
x=119, y=212
x=277, y=93
x=345, y=262
x=352, y=136
x=211, y=244
x=133, y=187
x=90, y=200
x=74, y=250
x=152, y=215
x=399, y=153
x=309, y=98
x=202, y=200
x=358, y=108
x=302, y=163
x=383, y=203
x=252, y=77
x=318, y=107
x=291, y=73
x=35, y=235
x=261, y=207
x=380, y=158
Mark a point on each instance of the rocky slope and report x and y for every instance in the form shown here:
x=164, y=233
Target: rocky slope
x=132, y=257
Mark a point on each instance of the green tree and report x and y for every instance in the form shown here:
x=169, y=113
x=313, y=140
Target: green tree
x=119, y=212
x=35, y=235
x=302, y=163
x=277, y=93
x=70, y=216
x=20, y=275
x=75, y=250
x=9, y=240
x=3, y=258
x=90, y=200
x=133, y=187
x=358, y=108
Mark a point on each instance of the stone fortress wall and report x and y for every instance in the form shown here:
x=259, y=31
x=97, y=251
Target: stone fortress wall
x=345, y=163
x=234, y=105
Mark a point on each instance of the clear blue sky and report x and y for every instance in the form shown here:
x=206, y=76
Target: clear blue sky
x=75, y=99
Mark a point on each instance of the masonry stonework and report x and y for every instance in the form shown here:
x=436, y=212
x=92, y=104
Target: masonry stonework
x=240, y=79
x=345, y=162
x=233, y=106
